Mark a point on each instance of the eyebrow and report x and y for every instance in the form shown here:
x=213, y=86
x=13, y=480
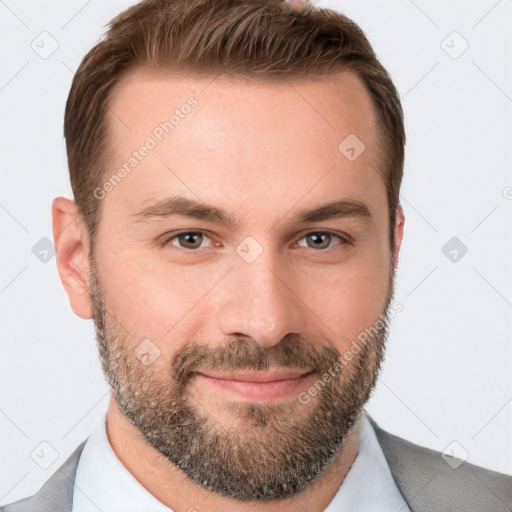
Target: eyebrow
x=179, y=205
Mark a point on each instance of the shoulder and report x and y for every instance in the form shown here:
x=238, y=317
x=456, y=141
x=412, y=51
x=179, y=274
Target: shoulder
x=56, y=494
x=430, y=482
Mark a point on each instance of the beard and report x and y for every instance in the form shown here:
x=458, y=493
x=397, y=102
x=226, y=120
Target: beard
x=266, y=451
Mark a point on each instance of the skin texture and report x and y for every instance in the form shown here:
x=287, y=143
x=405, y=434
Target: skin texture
x=262, y=152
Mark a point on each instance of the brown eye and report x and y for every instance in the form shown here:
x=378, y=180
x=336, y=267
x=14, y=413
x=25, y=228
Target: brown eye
x=187, y=239
x=191, y=240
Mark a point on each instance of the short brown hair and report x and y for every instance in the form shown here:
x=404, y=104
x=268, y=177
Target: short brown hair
x=253, y=39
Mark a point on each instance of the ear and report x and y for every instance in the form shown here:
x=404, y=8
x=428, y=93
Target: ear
x=398, y=234
x=72, y=245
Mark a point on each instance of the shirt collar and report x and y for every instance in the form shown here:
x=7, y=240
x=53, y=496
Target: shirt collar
x=104, y=484
x=369, y=484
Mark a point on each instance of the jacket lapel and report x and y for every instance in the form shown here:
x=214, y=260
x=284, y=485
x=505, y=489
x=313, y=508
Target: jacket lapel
x=57, y=492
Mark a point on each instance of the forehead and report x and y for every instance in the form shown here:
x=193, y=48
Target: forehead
x=254, y=143
x=331, y=103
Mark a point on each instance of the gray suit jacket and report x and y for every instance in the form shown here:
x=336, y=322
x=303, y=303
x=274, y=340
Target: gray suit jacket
x=426, y=481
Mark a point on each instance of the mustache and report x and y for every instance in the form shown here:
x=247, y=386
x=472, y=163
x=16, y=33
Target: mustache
x=244, y=354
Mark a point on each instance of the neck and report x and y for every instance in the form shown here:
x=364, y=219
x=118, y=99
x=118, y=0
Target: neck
x=175, y=490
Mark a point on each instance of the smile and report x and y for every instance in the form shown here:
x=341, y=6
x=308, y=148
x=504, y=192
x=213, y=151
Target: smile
x=256, y=385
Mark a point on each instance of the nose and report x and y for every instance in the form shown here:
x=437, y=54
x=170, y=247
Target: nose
x=258, y=301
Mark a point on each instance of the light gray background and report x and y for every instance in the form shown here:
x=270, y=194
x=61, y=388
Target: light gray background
x=447, y=374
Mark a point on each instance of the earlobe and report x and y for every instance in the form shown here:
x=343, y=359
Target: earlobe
x=72, y=245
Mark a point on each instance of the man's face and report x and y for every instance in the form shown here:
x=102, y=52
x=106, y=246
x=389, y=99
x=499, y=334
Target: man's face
x=230, y=309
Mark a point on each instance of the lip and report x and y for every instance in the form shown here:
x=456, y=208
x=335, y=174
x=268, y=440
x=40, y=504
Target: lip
x=257, y=376
x=255, y=385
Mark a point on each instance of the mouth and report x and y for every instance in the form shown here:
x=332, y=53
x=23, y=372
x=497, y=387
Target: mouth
x=255, y=385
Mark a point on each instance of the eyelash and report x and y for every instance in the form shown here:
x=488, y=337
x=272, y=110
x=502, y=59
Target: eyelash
x=177, y=234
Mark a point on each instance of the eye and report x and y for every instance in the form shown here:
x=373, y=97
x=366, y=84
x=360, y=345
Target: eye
x=322, y=240
x=187, y=239
x=192, y=240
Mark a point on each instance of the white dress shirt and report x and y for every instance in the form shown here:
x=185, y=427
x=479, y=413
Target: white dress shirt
x=104, y=484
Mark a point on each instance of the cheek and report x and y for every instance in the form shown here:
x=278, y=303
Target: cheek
x=154, y=300
x=348, y=298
